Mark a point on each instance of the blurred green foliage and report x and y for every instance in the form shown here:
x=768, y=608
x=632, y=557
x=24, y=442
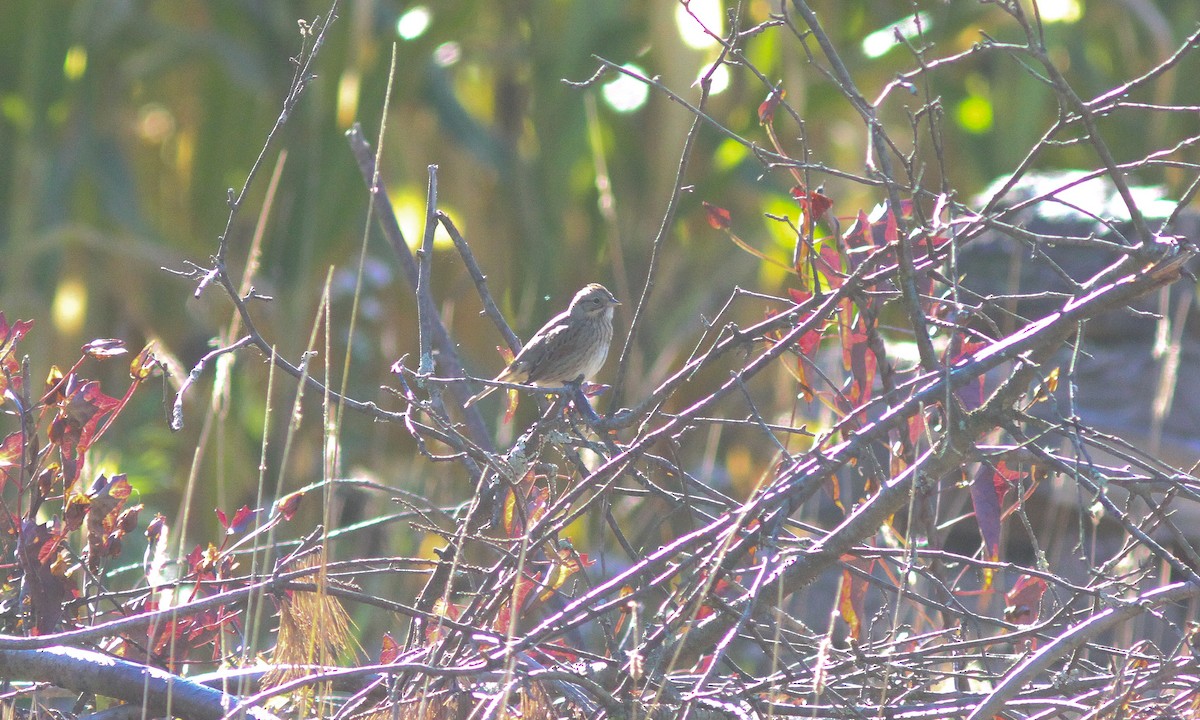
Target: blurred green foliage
x=122, y=124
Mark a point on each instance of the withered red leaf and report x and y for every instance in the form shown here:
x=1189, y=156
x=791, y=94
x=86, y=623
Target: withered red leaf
x=718, y=217
x=860, y=360
x=10, y=335
x=1004, y=479
x=75, y=511
x=144, y=363
x=852, y=599
x=1022, y=603
x=809, y=342
x=55, y=387
x=799, y=296
x=11, y=449
x=891, y=231
x=767, y=108
x=127, y=520
x=155, y=528
x=390, y=650
x=118, y=487
x=813, y=202
x=288, y=504
x=241, y=519
x=113, y=545
x=861, y=233
x=987, y=509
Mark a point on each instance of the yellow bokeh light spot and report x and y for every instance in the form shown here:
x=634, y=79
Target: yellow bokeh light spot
x=1064, y=11
x=409, y=207
x=347, y=98
x=974, y=114
x=729, y=154
x=739, y=463
x=75, y=63
x=15, y=110
x=69, y=309
x=185, y=155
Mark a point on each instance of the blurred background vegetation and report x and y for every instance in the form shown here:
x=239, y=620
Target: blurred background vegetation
x=123, y=122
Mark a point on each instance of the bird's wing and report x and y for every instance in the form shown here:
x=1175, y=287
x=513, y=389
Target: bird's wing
x=543, y=343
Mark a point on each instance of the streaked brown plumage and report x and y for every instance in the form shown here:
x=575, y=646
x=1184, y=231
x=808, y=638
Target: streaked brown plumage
x=572, y=346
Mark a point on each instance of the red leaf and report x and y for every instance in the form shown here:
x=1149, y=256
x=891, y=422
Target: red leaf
x=112, y=546
x=119, y=487
x=55, y=386
x=155, y=528
x=968, y=347
x=861, y=233
x=1023, y=602
x=702, y=664
x=221, y=518
x=860, y=360
x=799, y=296
x=766, y=109
x=829, y=264
x=891, y=232
x=718, y=217
x=931, y=244
x=813, y=202
x=240, y=519
x=916, y=427
x=1004, y=479
x=65, y=433
x=525, y=585
x=75, y=511
x=390, y=650
x=851, y=600
x=44, y=586
x=87, y=405
x=194, y=558
x=11, y=450
x=561, y=569
x=127, y=520
x=287, y=505
x=145, y=362
x=10, y=335
x=809, y=342
x=987, y=510
x=443, y=609
x=510, y=406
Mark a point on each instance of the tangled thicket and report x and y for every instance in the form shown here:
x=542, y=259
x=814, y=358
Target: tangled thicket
x=985, y=546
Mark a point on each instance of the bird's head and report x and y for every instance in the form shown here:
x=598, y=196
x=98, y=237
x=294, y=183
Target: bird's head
x=593, y=299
